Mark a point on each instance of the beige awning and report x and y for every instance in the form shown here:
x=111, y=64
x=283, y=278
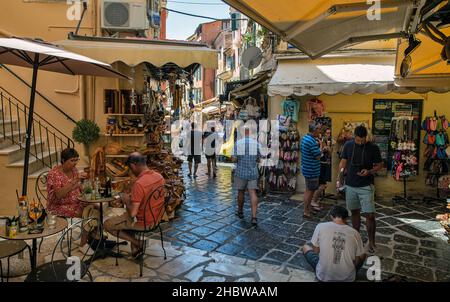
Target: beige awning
x=428, y=72
x=362, y=74
x=318, y=27
x=133, y=52
x=245, y=90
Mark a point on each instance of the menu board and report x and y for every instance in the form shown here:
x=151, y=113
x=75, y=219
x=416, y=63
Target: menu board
x=383, y=112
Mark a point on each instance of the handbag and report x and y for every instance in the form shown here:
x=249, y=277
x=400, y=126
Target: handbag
x=433, y=124
x=244, y=113
x=440, y=139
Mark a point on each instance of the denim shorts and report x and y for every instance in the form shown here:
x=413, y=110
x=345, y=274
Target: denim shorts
x=360, y=198
x=312, y=184
x=312, y=258
x=242, y=184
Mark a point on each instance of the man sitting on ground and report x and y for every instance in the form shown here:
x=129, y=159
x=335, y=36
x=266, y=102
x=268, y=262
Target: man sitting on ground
x=337, y=249
x=147, y=181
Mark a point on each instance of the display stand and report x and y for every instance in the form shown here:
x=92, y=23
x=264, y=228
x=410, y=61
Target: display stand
x=435, y=152
x=403, y=198
x=438, y=197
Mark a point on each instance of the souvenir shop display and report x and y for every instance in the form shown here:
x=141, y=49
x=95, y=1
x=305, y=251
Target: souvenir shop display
x=315, y=108
x=405, y=157
x=326, y=145
x=250, y=110
x=283, y=176
x=384, y=110
x=142, y=115
x=437, y=161
x=290, y=109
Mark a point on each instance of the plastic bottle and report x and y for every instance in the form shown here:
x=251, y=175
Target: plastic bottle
x=13, y=229
x=97, y=188
x=23, y=214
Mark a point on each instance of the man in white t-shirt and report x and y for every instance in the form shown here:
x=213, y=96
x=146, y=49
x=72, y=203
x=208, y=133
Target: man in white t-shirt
x=337, y=249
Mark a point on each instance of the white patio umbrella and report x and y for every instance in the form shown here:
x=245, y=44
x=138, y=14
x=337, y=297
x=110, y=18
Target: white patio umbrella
x=38, y=54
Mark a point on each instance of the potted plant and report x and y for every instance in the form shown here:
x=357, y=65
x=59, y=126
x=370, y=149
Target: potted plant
x=87, y=192
x=86, y=132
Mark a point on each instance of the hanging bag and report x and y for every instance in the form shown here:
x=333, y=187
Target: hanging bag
x=440, y=139
x=257, y=109
x=433, y=124
x=243, y=113
x=431, y=139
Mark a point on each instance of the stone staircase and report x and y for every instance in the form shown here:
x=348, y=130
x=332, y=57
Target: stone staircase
x=46, y=145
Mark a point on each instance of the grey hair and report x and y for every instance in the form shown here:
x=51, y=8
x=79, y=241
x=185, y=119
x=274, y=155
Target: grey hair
x=313, y=126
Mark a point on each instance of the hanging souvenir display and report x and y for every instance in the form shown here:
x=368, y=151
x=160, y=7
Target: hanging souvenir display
x=290, y=109
x=436, y=158
x=283, y=176
x=315, y=108
x=403, y=133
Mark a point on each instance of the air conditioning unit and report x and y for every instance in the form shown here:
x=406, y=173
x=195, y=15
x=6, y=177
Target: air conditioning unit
x=124, y=15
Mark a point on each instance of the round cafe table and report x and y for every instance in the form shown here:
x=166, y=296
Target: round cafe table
x=60, y=225
x=105, y=249
x=99, y=201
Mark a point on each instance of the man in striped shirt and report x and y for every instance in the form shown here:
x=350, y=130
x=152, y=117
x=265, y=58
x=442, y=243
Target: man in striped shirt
x=310, y=165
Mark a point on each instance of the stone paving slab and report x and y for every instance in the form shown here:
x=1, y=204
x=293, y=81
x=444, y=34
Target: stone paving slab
x=406, y=233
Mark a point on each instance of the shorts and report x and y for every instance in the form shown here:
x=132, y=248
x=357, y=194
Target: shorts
x=242, y=184
x=360, y=198
x=120, y=223
x=312, y=258
x=325, y=174
x=211, y=156
x=196, y=158
x=312, y=184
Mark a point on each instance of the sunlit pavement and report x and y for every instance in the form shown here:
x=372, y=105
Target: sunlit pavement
x=208, y=242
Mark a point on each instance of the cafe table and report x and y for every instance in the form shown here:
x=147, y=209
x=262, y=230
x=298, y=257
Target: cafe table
x=59, y=226
x=103, y=251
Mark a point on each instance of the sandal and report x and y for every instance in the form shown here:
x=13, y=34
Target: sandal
x=307, y=216
x=137, y=254
x=317, y=208
x=254, y=221
x=240, y=214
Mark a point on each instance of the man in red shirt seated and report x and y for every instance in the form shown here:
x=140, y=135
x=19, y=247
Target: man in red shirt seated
x=133, y=219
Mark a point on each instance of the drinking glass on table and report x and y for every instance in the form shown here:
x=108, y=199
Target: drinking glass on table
x=35, y=212
x=51, y=221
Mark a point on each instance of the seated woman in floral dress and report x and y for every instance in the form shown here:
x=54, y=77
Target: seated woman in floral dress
x=64, y=188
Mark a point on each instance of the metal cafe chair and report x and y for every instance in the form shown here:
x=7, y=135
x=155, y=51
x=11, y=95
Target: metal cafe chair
x=40, y=189
x=150, y=227
x=8, y=249
x=59, y=270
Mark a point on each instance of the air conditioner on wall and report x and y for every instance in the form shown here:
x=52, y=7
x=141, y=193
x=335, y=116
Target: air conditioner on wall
x=124, y=15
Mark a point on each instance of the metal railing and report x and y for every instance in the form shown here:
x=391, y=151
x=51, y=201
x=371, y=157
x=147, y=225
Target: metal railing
x=14, y=114
x=38, y=93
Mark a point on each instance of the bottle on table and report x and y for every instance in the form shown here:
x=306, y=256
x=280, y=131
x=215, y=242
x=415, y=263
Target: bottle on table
x=108, y=187
x=13, y=229
x=23, y=214
x=97, y=188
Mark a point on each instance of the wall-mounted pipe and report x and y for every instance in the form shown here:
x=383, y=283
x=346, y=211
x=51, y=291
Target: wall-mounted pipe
x=73, y=92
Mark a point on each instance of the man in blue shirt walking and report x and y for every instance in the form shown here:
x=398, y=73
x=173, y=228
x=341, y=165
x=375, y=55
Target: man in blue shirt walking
x=246, y=155
x=310, y=165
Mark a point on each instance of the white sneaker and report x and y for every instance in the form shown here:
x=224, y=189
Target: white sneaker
x=86, y=249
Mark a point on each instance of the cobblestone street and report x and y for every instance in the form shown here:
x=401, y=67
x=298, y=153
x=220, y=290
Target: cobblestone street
x=410, y=242
x=208, y=242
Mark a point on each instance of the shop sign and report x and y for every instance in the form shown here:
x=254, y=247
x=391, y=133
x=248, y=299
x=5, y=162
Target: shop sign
x=402, y=109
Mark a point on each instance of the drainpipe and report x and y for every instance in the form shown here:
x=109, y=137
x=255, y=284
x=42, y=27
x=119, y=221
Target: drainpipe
x=83, y=96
